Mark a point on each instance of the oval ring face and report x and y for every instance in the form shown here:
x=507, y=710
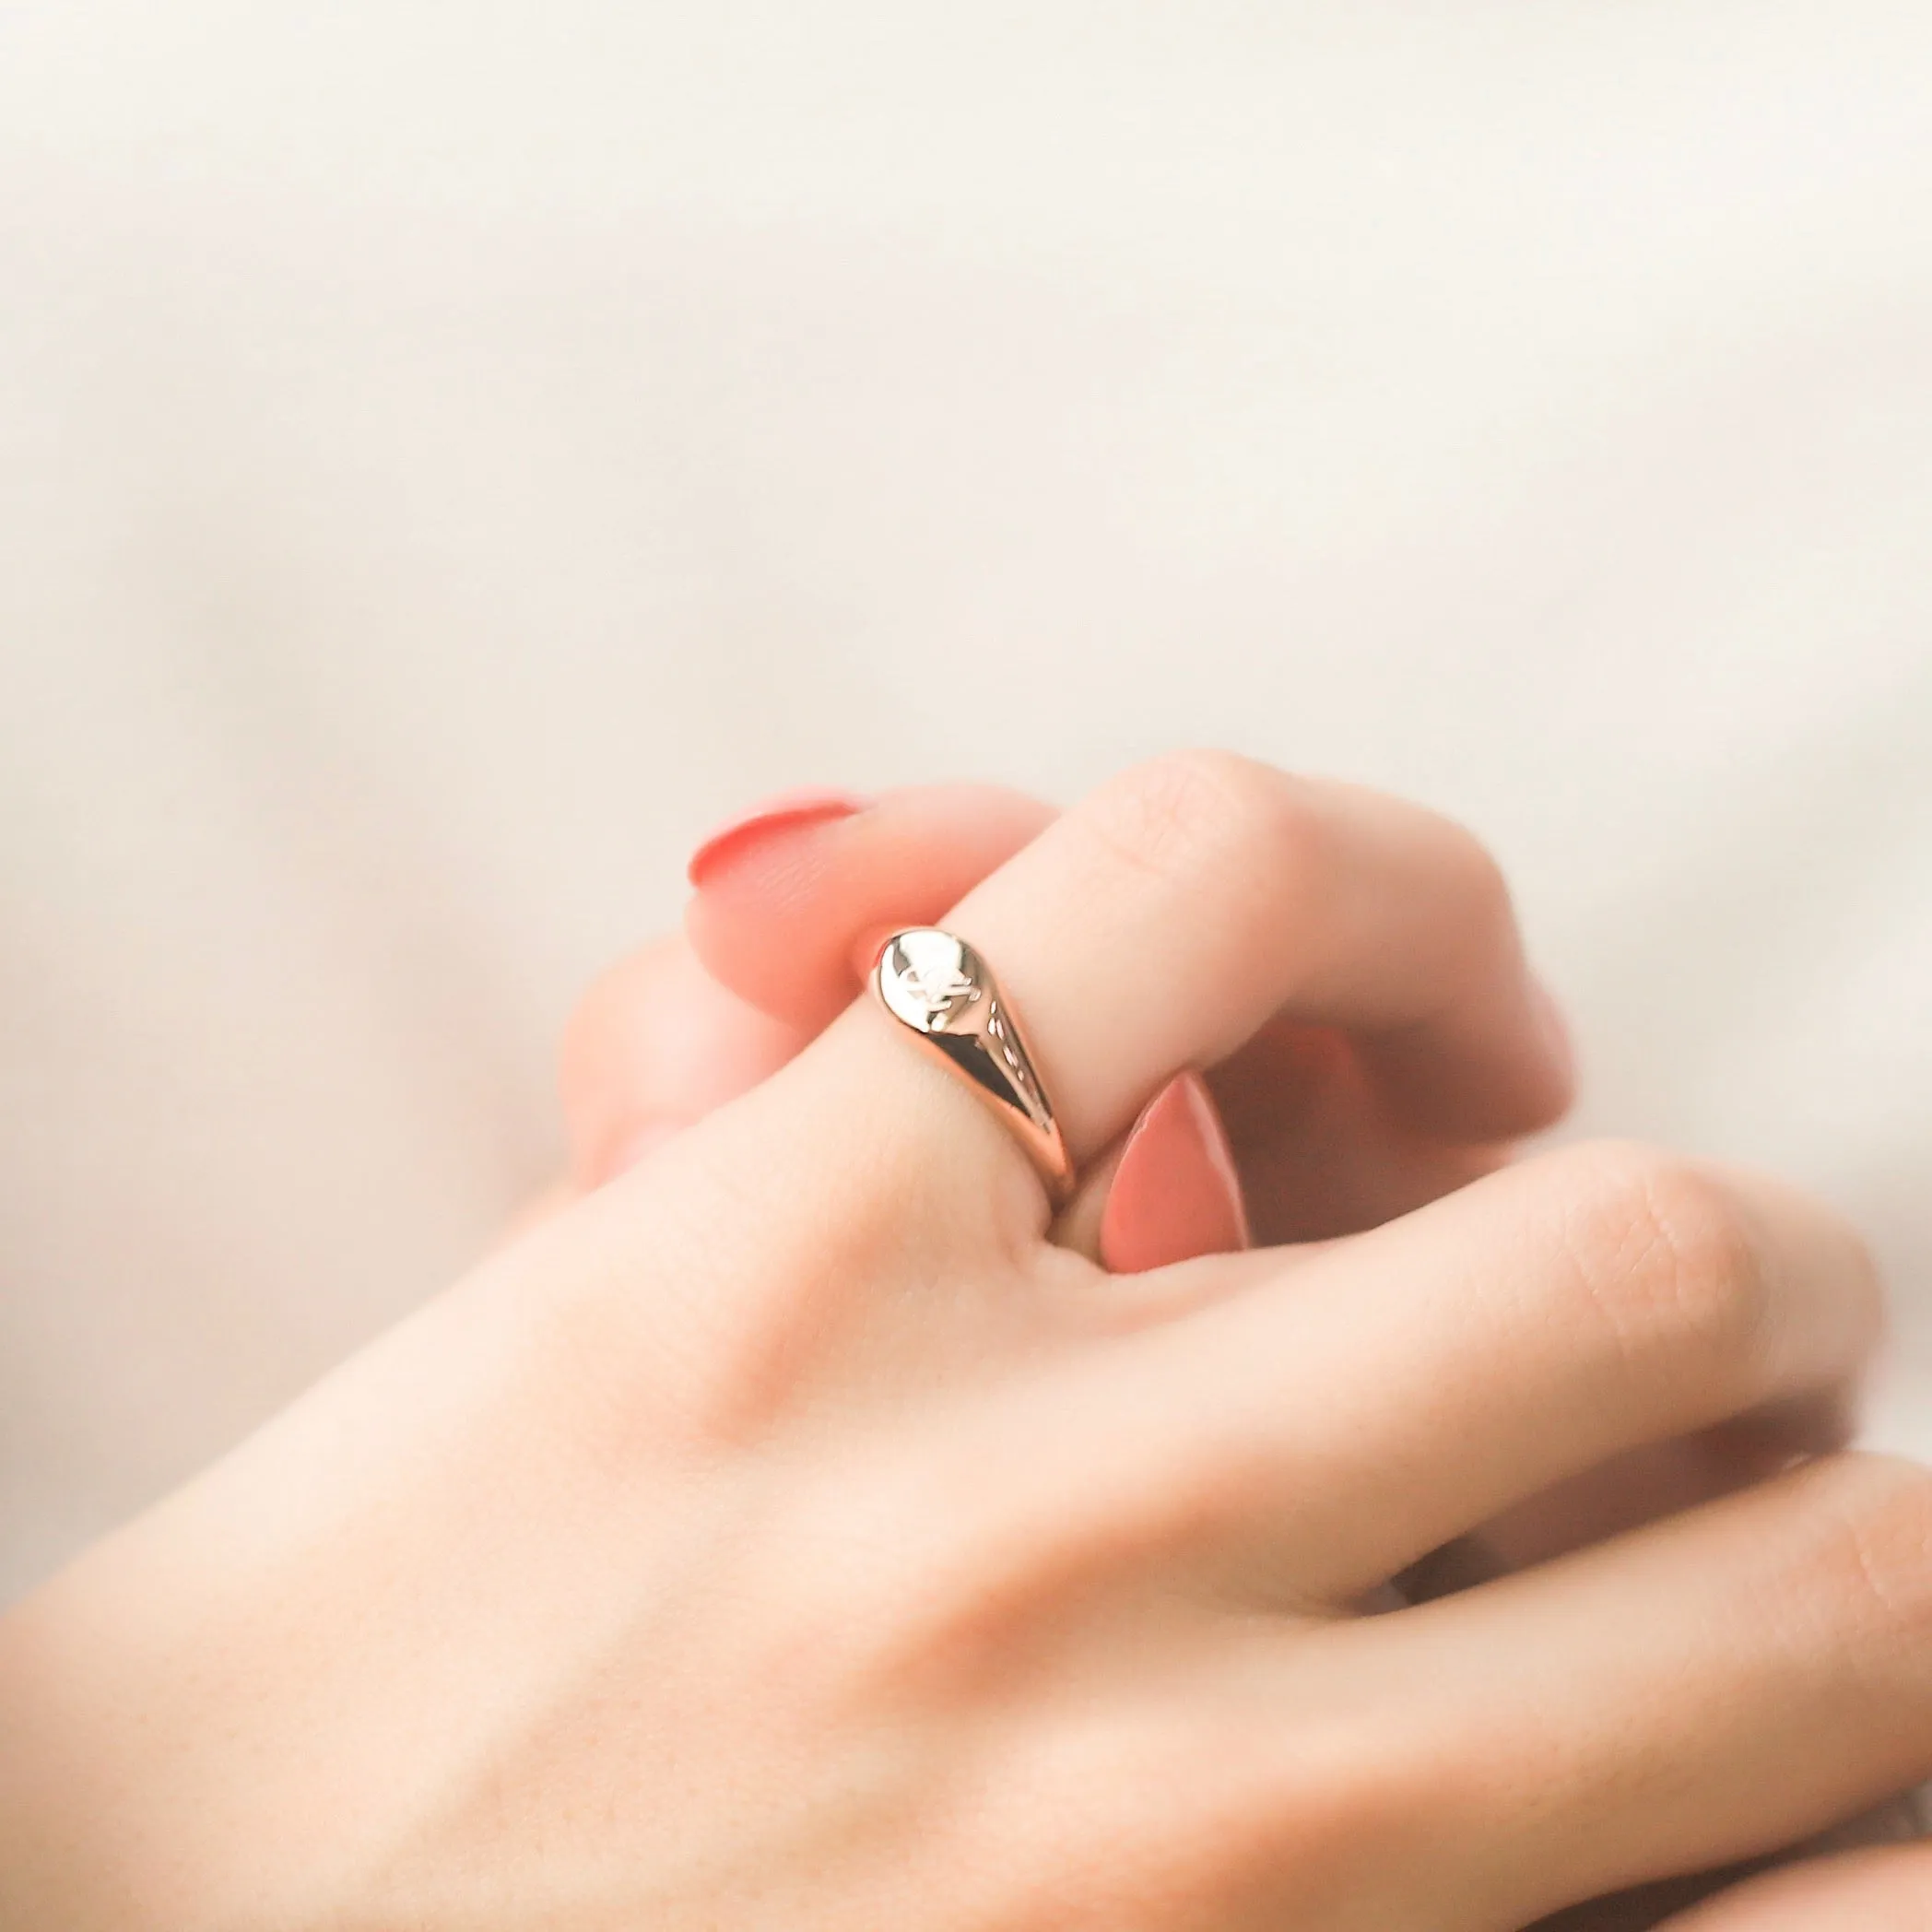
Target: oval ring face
x=940, y=989
x=927, y=977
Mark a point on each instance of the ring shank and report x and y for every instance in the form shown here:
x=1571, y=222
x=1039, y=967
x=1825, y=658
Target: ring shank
x=940, y=991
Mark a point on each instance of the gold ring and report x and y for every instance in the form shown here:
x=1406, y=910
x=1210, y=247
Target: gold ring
x=942, y=993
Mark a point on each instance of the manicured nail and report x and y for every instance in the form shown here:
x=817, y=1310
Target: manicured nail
x=1176, y=1193
x=790, y=811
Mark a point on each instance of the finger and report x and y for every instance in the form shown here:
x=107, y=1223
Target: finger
x=1323, y=1145
x=778, y=889
x=1656, y=1478
x=1700, y=1692
x=1563, y=1327
x=1311, y=1151
x=793, y=902
x=1895, y=1822
x=790, y=914
x=809, y=880
x=659, y=1041
x=1161, y=924
x=1637, y=1487
x=1875, y=1890
x=656, y=1045
x=1358, y=1406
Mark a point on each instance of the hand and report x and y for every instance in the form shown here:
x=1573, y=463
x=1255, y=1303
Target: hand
x=811, y=881
x=1308, y=1130
x=1332, y=1131
x=788, y=1535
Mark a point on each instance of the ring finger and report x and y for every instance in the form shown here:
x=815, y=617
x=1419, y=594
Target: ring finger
x=1190, y=905
x=788, y=912
x=1706, y=1690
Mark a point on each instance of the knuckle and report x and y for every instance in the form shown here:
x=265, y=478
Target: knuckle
x=1464, y=895
x=1309, y=1832
x=913, y=1581
x=1188, y=813
x=1471, y=872
x=1872, y=1565
x=1666, y=1255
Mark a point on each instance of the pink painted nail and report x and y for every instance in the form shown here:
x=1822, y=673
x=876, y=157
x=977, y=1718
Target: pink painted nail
x=790, y=811
x=1176, y=1193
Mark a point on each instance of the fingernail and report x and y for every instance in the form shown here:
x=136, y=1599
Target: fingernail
x=1176, y=1193
x=788, y=812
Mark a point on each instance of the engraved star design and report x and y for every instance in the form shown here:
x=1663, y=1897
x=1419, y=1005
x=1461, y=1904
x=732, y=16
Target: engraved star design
x=933, y=973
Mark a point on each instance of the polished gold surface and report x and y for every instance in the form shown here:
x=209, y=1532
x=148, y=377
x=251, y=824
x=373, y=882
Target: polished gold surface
x=944, y=995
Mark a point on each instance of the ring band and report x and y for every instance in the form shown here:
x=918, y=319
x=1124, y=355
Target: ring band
x=943, y=994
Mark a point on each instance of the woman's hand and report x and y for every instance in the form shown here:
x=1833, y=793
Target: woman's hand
x=1308, y=1130
x=813, y=878
x=788, y=1534
x=1332, y=1131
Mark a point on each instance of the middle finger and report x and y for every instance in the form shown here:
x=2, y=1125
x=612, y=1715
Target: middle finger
x=1317, y=1422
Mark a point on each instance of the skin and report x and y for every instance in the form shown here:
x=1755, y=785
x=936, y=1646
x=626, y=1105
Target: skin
x=780, y=937
x=813, y=880
x=789, y=1532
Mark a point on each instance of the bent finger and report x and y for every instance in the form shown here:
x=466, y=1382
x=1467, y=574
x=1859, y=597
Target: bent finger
x=1164, y=920
x=1701, y=1692
x=1169, y=918
x=1321, y=1419
x=1879, y=1890
x=655, y=1045
x=793, y=901
x=789, y=916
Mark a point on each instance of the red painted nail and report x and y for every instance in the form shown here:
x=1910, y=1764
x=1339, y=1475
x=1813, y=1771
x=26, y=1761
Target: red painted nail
x=1176, y=1193
x=788, y=812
